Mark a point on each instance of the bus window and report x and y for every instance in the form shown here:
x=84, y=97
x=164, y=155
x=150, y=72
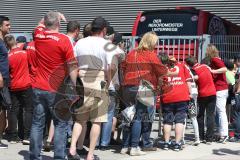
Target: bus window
x=168, y=23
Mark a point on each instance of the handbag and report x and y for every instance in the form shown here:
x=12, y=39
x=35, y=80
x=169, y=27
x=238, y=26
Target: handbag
x=145, y=93
x=192, y=108
x=128, y=114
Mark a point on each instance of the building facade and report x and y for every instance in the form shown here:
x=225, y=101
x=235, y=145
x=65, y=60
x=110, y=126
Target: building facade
x=25, y=14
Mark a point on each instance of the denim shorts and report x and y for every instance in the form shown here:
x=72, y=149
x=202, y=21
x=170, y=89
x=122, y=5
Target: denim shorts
x=174, y=112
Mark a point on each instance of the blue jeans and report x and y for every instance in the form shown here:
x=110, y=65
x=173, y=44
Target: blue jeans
x=236, y=122
x=43, y=102
x=107, y=126
x=142, y=123
x=146, y=132
x=69, y=128
x=141, y=126
x=236, y=116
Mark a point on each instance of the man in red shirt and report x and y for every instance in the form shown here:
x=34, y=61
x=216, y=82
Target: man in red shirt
x=55, y=59
x=175, y=104
x=21, y=92
x=206, y=99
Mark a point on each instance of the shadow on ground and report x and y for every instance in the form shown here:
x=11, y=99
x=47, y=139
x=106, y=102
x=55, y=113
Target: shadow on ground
x=25, y=155
x=225, y=151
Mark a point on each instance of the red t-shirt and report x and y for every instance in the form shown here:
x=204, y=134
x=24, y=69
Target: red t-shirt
x=18, y=67
x=147, y=66
x=220, y=80
x=205, y=82
x=53, y=52
x=31, y=60
x=179, y=91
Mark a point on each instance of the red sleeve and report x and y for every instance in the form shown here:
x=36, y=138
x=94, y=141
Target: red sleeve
x=68, y=50
x=218, y=63
x=38, y=30
x=158, y=67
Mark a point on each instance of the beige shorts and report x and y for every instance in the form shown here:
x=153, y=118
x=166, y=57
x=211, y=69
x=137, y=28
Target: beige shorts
x=96, y=99
x=92, y=111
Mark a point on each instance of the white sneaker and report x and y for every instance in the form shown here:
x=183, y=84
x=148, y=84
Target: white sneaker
x=26, y=142
x=196, y=142
x=223, y=139
x=124, y=151
x=136, y=151
x=182, y=142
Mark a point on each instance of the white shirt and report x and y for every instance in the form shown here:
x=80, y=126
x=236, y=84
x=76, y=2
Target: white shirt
x=90, y=53
x=114, y=57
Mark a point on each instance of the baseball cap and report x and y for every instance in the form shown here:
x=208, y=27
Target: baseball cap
x=21, y=39
x=110, y=30
x=98, y=24
x=117, y=38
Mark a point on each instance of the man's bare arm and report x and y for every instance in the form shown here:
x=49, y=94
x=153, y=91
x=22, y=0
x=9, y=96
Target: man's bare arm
x=73, y=72
x=219, y=71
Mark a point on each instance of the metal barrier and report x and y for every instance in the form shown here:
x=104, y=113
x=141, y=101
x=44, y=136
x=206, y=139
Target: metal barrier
x=228, y=46
x=178, y=46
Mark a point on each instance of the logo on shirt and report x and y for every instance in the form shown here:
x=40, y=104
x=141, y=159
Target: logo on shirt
x=41, y=36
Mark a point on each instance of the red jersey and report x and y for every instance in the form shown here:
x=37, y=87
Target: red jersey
x=179, y=91
x=220, y=80
x=53, y=51
x=205, y=82
x=143, y=65
x=18, y=67
x=31, y=59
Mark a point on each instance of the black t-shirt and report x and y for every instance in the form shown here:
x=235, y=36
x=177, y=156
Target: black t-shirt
x=4, y=66
x=193, y=72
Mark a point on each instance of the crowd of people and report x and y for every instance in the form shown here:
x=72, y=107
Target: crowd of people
x=90, y=77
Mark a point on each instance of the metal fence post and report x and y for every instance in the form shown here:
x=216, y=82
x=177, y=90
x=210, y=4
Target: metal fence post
x=133, y=40
x=203, y=46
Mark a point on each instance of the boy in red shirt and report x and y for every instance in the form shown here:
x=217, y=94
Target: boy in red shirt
x=206, y=99
x=175, y=104
x=21, y=92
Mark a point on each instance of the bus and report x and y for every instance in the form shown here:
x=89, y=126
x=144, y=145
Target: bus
x=182, y=21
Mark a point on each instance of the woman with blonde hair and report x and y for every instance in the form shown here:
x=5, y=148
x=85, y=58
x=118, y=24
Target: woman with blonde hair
x=212, y=51
x=218, y=70
x=140, y=63
x=148, y=41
